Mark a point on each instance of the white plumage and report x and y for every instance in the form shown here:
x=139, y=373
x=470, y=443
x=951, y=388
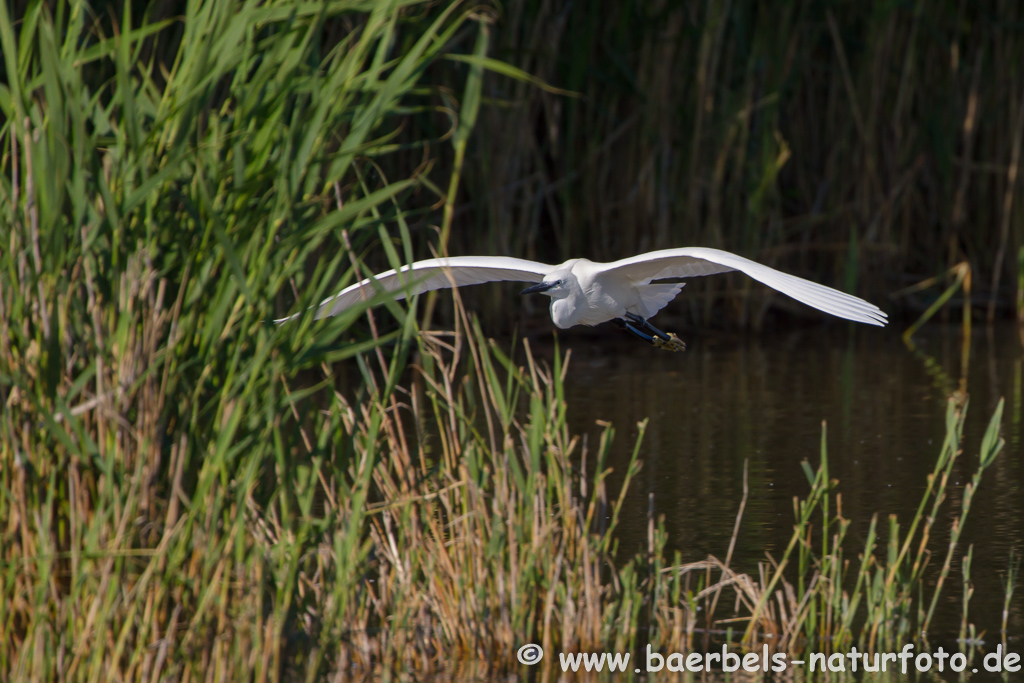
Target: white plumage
x=587, y=293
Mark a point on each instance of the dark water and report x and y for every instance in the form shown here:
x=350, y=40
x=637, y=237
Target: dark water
x=762, y=399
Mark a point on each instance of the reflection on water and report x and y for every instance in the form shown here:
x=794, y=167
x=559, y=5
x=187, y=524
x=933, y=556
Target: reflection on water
x=763, y=398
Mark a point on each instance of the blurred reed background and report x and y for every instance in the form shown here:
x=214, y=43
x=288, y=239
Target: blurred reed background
x=867, y=145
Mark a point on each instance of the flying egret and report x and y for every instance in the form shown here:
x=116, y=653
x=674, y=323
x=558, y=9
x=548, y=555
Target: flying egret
x=587, y=293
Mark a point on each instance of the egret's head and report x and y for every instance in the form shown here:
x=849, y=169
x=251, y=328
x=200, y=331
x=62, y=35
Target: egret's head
x=555, y=285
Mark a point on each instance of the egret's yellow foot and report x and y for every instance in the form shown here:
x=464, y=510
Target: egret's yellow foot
x=673, y=343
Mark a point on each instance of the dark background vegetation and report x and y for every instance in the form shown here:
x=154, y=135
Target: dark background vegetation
x=867, y=144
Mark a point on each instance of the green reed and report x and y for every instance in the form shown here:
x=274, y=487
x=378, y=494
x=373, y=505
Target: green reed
x=1012, y=574
x=170, y=186
x=883, y=599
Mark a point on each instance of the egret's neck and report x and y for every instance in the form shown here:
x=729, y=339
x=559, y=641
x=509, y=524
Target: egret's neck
x=567, y=310
x=562, y=313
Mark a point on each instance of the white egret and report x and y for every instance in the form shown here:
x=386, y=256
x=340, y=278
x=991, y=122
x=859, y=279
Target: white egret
x=587, y=293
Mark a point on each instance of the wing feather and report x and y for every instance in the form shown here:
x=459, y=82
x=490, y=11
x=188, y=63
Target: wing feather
x=424, y=276
x=697, y=261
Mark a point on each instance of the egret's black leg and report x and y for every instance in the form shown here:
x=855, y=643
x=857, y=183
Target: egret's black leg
x=634, y=331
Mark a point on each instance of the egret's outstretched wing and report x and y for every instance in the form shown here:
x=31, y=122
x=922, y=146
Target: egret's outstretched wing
x=437, y=273
x=694, y=261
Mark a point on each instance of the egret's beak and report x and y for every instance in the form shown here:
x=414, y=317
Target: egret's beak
x=538, y=288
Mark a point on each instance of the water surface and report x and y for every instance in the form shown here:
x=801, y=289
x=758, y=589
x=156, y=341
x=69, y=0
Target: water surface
x=762, y=399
